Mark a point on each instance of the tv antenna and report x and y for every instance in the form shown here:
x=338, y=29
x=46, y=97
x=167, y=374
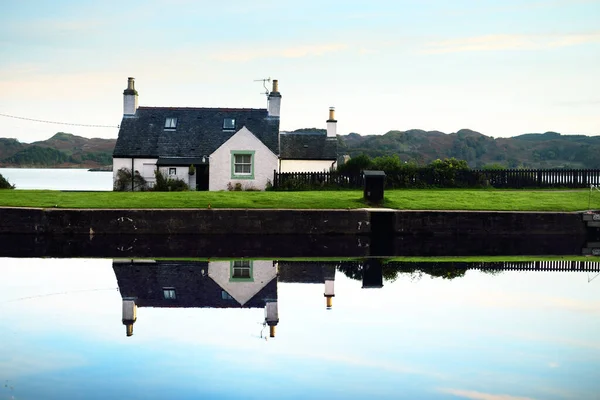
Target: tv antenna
x=264, y=82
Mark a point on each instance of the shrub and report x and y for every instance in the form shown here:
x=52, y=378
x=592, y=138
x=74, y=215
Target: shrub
x=124, y=181
x=4, y=184
x=355, y=165
x=166, y=184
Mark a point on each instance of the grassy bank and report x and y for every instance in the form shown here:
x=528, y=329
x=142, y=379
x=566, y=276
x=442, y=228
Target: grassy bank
x=449, y=199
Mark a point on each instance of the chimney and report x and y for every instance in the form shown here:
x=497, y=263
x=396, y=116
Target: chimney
x=274, y=101
x=129, y=315
x=130, y=99
x=329, y=293
x=271, y=316
x=332, y=124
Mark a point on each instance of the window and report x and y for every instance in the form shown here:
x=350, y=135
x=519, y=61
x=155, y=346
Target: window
x=169, y=293
x=241, y=271
x=242, y=164
x=172, y=171
x=229, y=124
x=170, y=123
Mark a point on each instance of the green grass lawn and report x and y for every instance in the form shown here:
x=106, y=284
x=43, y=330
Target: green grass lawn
x=432, y=199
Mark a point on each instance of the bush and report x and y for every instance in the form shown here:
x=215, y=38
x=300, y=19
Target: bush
x=355, y=165
x=165, y=184
x=4, y=184
x=124, y=181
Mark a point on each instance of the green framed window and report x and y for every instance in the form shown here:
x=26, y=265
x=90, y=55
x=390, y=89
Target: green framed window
x=242, y=164
x=241, y=271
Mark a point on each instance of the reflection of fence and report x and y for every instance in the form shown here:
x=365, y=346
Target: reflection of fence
x=428, y=177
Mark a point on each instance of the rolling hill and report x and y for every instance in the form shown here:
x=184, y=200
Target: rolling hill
x=531, y=150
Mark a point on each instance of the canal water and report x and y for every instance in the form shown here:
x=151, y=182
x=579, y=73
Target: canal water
x=394, y=329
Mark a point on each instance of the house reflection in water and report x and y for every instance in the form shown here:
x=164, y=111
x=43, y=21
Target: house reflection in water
x=182, y=284
x=229, y=284
x=310, y=272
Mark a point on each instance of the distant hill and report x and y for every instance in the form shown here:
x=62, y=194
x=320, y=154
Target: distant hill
x=531, y=150
x=61, y=150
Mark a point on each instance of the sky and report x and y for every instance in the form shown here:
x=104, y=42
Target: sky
x=512, y=336
x=502, y=68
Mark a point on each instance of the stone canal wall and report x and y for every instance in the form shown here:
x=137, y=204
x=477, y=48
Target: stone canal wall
x=287, y=222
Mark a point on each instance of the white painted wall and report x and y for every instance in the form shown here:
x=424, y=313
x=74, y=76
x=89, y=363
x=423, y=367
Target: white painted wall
x=263, y=272
x=181, y=172
x=306, y=165
x=130, y=104
x=265, y=162
x=145, y=166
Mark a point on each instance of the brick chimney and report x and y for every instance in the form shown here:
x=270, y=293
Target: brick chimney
x=130, y=99
x=332, y=124
x=274, y=101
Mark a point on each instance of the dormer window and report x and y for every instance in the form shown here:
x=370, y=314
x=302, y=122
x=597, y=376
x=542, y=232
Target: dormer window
x=229, y=124
x=169, y=293
x=170, y=123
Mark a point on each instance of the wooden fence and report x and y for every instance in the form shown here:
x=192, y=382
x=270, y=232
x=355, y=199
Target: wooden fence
x=428, y=177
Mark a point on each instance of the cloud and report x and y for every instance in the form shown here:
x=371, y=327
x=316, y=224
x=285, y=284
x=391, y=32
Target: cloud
x=509, y=42
x=553, y=365
x=471, y=394
x=286, y=52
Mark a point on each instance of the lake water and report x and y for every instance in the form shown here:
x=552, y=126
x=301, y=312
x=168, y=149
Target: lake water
x=58, y=179
x=394, y=331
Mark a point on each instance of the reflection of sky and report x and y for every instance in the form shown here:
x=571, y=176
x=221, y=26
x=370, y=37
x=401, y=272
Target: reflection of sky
x=505, y=337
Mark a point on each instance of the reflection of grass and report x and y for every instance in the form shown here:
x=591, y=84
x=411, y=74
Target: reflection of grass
x=495, y=258
x=403, y=259
x=441, y=199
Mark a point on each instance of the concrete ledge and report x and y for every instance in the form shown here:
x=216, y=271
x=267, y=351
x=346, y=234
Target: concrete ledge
x=286, y=222
x=183, y=221
x=488, y=222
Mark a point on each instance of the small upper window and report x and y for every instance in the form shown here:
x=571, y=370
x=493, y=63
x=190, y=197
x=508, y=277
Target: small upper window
x=169, y=293
x=229, y=123
x=172, y=171
x=171, y=123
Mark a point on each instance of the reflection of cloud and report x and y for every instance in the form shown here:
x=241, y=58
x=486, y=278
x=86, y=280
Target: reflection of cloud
x=509, y=42
x=554, y=365
x=471, y=394
x=287, y=52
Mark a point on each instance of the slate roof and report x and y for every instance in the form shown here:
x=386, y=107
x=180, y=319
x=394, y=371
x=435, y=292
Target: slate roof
x=193, y=287
x=302, y=146
x=306, y=271
x=199, y=131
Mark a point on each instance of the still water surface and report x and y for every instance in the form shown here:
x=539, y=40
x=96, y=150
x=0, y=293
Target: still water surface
x=58, y=178
x=498, y=334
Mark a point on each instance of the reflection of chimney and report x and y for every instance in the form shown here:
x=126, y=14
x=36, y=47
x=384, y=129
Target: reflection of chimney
x=331, y=124
x=130, y=98
x=329, y=293
x=129, y=315
x=271, y=316
x=274, y=101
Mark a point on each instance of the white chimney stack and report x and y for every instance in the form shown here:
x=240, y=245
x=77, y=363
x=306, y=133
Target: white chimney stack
x=271, y=316
x=130, y=99
x=274, y=101
x=329, y=292
x=129, y=315
x=332, y=124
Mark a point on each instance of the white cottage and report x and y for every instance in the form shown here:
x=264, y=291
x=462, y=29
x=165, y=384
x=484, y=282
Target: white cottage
x=226, y=146
x=310, y=151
